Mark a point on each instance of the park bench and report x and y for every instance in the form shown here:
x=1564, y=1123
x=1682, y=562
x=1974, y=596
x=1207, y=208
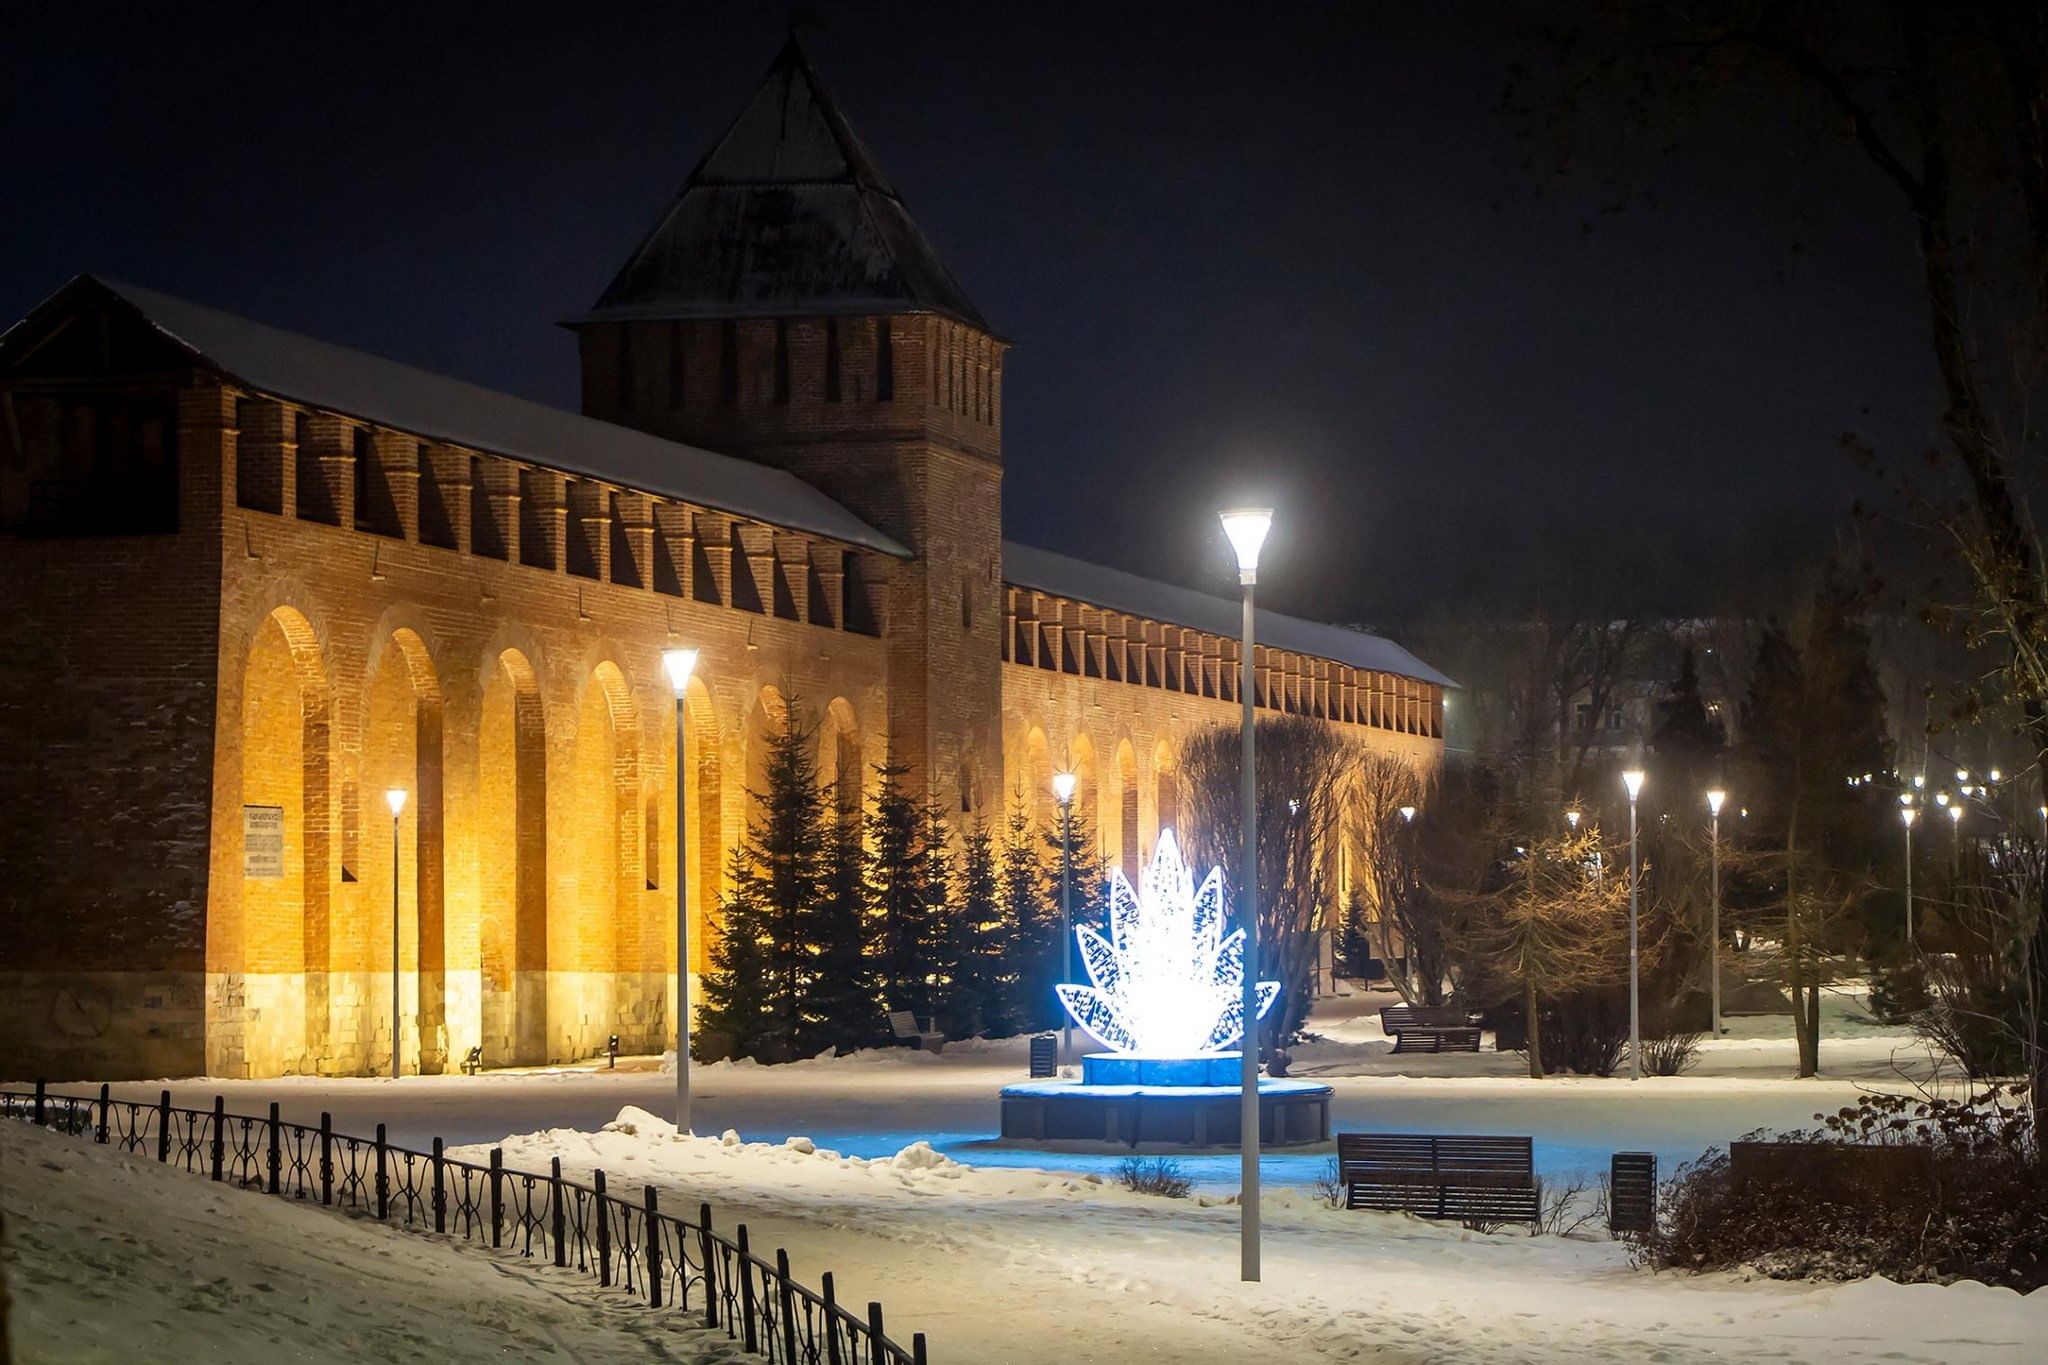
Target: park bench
x=1487, y=1178
x=904, y=1025
x=1429, y=1028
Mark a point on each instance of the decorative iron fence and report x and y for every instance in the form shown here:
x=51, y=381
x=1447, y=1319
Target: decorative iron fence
x=629, y=1244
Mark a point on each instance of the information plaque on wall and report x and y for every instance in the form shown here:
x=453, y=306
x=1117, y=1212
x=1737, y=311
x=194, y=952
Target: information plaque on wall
x=263, y=841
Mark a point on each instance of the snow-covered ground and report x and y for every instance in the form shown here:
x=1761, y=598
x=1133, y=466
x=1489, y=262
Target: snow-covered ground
x=876, y=1103
x=1041, y=1266
x=112, y=1258
x=1002, y=1253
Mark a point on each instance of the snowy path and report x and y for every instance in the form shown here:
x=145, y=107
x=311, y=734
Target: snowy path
x=111, y=1258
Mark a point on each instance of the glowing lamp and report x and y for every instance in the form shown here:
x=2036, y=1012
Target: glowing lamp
x=1408, y=814
x=1714, y=800
x=395, y=798
x=1571, y=817
x=1955, y=813
x=1907, y=815
x=1633, y=780
x=1247, y=527
x=678, y=664
x=1063, y=787
x=1168, y=982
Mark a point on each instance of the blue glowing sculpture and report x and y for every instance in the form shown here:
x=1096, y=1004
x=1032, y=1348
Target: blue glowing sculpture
x=1168, y=982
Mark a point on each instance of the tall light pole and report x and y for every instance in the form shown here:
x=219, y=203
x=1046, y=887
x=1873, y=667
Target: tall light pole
x=1955, y=847
x=1714, y=800
x=1247, y=527
x=395, y=798
x=1907, y=815
x=679, y=664
x=1633, y=780
x=1063, y=791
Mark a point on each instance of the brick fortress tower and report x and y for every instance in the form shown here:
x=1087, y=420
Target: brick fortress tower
x=786, y=309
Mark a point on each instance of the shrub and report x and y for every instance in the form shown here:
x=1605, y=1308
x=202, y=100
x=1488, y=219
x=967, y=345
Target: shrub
x=1329, y=1186
x=1898, y=991
x=1154, y=1175
x=1671, y=1055
x=1981, y=1214
x=1563, y=1208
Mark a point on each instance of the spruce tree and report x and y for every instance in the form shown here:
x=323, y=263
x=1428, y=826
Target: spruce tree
x=733, y=1016
x=1090, y=895
x=840, y=1009
x=786, y=846
x=899, y=901
x=1689, y=742
x=1031, y=925
x=972, y=1001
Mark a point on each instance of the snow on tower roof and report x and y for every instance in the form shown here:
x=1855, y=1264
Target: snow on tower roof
x=321, y=374
x=1097, y=585
x=788, y=213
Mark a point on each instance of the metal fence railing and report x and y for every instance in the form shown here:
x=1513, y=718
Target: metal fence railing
x=629, y=1243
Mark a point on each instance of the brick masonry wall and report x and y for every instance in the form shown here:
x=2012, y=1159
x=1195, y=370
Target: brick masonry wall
x=107, y=706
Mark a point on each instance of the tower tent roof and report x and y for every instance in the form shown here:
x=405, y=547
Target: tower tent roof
x=788, y=213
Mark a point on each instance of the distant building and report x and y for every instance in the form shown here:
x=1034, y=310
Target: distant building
x=256, y=580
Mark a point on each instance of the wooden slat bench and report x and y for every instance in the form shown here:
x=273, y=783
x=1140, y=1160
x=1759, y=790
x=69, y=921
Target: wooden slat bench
x=1429, y=1028
x=1482, y=1178
x=904, y=1025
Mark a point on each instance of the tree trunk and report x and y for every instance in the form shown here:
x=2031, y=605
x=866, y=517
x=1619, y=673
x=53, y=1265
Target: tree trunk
x=1535, y=1028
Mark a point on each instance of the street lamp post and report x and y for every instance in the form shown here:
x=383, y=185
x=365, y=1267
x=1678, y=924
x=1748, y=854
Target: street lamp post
x=1907, y=815
x=395, y=798
x=1955, y=846
x=1633, y=780
x=679, y=664
x=1063, y=789
x=1714, y=801
x=1247, y=529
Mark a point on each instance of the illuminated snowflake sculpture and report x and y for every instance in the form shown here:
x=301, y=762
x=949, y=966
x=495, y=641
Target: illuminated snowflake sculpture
x=1168, y=981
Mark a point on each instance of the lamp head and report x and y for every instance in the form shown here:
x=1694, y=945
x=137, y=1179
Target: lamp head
x=1714, y=800
x=1633, y=780
x=1941, y=798
x=678, y=664
x=1408, y=814
x=1571, y=817
x=1907, y=815
x=395, y=798
x=1063, y=787
x=1993, y=774
x=1955, y=813
x=1247, y=527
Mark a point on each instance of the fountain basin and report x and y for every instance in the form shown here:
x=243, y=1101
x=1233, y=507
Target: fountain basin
x=1125, y=1100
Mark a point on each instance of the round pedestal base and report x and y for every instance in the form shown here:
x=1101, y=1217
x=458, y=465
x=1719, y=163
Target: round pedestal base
x=1291, y=1114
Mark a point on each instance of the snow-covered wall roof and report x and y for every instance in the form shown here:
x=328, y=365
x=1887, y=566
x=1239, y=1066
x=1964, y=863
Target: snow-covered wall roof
x=1098, y=586
x=324, y=375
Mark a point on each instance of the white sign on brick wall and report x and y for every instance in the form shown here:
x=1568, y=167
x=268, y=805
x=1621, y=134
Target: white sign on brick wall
x=263, y=841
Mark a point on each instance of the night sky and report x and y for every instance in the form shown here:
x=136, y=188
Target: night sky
x=1239, y=250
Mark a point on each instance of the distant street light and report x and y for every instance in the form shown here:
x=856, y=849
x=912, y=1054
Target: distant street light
x=1714, y=800
x=395, y=798
x=1407, y=815
x=1063, y=791
x=679, y=664
x=1571, y=817
x=1247, y=529
x=1633, y=780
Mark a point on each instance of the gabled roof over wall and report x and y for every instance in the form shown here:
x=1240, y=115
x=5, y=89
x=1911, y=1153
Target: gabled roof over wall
x=789, y=214
x=1096, y=585
x=320, y=374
